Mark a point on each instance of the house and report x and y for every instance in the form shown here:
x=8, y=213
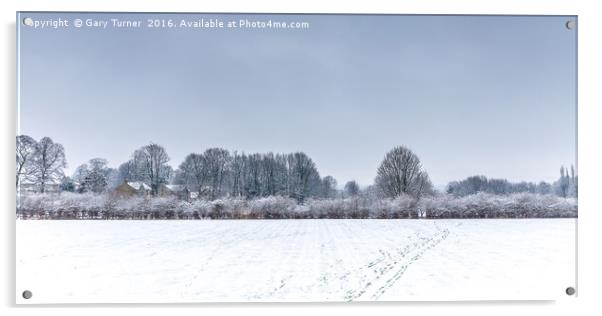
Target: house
x=132, y=188
x=180, y=191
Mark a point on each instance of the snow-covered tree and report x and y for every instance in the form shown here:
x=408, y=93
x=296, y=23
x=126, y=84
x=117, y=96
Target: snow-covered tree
x=217, y=161
x=80, y=173
x=271, y=175
x=237, y=174
x=544, y=188
x=573, y=181
x=67, y=185
x=95, y=176
x=303, y=177
x=352, y=188
x=193, y=172
x=400, y=173
x=94, y=181
x=328, y=187
x=132, y=170
x=151, y=161
x=26, y=148
x=253, y=175
x=498, y=186
x=48, y=163
x=563, y=183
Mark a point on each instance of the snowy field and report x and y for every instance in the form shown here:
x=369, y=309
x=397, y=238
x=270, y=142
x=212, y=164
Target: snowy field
x=294, y=260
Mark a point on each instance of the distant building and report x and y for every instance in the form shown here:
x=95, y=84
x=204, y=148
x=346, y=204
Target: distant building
x=132, y=188
x=180, y=191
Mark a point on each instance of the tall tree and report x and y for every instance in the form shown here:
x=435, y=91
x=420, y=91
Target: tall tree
x=49, y=163
x=303, y=177
x=562, y=186
x=194, y=172
x=237, y=174
x=400, y=173
x=130, y=170
x=94, y=181
x=26, y=148
x=80, y=173
x=269, y=176
x=96, y=177
x=253, y=176
x=152, y=160
x=573, y=188
x=217, y=160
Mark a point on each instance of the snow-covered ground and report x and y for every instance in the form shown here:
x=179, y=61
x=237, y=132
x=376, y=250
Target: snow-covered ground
x=294, y=260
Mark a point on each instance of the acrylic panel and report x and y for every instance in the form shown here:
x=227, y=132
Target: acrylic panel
x=204, y=157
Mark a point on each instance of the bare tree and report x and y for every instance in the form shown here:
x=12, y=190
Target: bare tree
x=48, y=163
x=217, y=160
x=80, y=173
x=194, y=172
x=573, y=187
x=352, y=188
x=544, y=188
x=302, y=175
x=563, y=183
x=253, y=174
x=95, y=181
x=93, y=176
x=401, y=173
x=26, y=148
x=328, y=187
x=153, y=161
x=130, y=171
x=269, y=175
x=237, y=168
x=100, y=164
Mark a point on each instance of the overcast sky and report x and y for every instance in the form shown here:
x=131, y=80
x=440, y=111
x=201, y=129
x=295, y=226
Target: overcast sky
x=491, y=95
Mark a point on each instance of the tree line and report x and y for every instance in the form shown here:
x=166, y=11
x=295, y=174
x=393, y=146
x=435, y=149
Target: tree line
x=212, y=174
x=566, y=186
x=218, y=173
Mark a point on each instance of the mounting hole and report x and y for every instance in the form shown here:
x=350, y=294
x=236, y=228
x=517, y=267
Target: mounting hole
x=28, y=21
x=570, y=25
x=570, y=290
x=27, y=294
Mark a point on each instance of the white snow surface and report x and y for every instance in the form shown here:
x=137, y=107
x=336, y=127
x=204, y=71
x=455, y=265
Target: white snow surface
x=294, y=260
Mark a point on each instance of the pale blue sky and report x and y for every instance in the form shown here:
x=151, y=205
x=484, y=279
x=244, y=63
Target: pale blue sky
x=491, y=95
